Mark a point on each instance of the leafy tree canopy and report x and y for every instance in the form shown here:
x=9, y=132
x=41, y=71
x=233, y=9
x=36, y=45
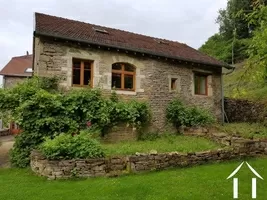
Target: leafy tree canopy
x=237, y=22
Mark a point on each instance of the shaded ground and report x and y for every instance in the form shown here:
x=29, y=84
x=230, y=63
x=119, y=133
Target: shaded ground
x=6, y=143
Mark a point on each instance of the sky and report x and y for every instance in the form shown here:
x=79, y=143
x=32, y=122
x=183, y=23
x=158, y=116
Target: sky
x=191, y=21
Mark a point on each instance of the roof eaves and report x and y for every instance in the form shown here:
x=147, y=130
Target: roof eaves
x=18, y=75
x=36, y=33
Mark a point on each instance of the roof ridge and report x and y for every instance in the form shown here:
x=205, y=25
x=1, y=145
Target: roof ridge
x=54, y=26
x=17, y=66
x=117, y=29
x=24, y=56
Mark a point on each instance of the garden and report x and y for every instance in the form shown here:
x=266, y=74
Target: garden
x=71, y=124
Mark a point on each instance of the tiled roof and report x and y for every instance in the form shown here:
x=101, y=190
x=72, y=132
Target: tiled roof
x=88, y=33
x=17, y=66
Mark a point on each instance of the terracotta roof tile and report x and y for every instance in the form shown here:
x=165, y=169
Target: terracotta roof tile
x=85, y=32
x=17, y=66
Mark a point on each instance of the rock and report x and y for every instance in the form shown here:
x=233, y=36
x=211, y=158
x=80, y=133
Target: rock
x=153, y=152
x=205, y=130
x=140, y=154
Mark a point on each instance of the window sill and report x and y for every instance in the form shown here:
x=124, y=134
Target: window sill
x=81, y=86
x=124, y=92
x=201, y=95
x=174, y=91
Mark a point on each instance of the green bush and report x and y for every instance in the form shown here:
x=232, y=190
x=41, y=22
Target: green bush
x=199, y=117
x=41, y=110
x=180, y=115
x=85, y=105
x=133, y=112
x=177, y=113
x=21, y=150
x=65, y=146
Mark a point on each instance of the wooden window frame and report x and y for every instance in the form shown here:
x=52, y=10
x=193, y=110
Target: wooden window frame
x=82, y=61
x=197, y=90
x=122, y=72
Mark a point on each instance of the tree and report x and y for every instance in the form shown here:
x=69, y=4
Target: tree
x=235, y=31
x=256, y=69
x=231, y=20
x=216, y=46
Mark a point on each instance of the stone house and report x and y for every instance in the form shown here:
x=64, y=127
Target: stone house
x=17, y=69
x=137, y=66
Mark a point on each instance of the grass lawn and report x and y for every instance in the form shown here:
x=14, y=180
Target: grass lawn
x=167, y=143
x=246, y=130
x=198, y=183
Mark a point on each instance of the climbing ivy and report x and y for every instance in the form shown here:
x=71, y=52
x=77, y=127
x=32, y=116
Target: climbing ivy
x=42, y=110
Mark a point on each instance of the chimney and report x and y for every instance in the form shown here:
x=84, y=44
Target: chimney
x=27, y=53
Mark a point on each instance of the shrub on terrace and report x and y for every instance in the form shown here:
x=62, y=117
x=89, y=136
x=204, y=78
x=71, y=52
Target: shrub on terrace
x=180, y=115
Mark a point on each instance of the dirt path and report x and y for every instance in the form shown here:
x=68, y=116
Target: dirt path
x=6, y=144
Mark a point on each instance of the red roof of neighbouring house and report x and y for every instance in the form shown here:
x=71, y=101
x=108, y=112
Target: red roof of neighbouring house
x=18, y=66
x=58, y=27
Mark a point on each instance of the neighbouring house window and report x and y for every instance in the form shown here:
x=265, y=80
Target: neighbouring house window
x=201, y=84
x=82, y=74
x=123, y=76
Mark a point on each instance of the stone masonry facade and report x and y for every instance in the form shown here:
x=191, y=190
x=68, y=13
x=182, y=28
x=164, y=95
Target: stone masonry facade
x=11, y=81
x=153, y=76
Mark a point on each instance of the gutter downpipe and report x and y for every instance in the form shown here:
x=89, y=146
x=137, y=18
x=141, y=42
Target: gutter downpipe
x=224, y=116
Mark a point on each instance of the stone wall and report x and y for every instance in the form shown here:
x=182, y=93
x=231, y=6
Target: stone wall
x=244, y=111
x=4, y=132
x=11, y=81
x=153, y=76
x=114, y=166
x=225, y=139
x=119, y=133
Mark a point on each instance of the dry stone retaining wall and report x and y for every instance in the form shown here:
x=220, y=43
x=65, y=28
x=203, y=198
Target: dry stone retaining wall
x=238, y=110
x=4, y=132
x=235, y=147
x=62, y=169
x=233, y=141
x=114, y=166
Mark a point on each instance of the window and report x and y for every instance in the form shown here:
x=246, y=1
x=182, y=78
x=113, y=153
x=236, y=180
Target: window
x=123, y=76
x=99, y=30
x=161, y=41
x=29, y=70
x=201, y=83
x=173, y=83
x=82, y=74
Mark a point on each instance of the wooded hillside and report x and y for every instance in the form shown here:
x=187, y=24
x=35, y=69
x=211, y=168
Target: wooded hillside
x=242, y=38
